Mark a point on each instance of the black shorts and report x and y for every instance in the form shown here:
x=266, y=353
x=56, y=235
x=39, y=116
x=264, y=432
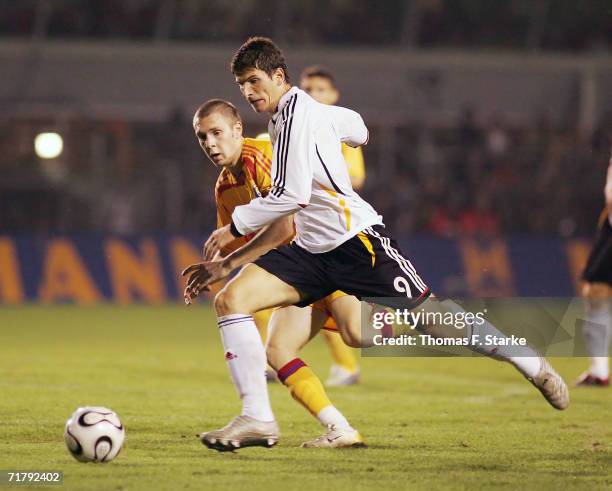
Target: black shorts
x=599, y=264
x=369, y=265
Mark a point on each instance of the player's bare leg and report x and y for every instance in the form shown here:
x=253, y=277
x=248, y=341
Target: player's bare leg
x=534, y=367
x=527, y=361
x=290, y=329
x=252, y=290
x=346, y=311
x=597, y=333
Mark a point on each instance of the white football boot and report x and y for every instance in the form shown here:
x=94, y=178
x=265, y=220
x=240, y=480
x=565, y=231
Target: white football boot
x=551, y=385
x=336, y=438
x=240, y=432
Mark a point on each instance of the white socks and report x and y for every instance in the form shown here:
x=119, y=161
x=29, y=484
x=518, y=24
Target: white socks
x=246, y=359
x=597, y=332
x=524, y=358
x=329, y=415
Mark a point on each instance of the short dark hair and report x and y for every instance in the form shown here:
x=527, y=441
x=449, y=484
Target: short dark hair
x=218, y=105
x=260, y=53
x=318, y=71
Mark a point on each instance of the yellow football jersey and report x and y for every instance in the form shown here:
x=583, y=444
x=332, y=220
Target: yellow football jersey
x=254, y=181
x=354, y=161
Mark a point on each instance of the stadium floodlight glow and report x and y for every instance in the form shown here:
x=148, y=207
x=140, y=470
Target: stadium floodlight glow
x=48, y=145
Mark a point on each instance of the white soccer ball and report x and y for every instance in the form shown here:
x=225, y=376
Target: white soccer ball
x=94, y=434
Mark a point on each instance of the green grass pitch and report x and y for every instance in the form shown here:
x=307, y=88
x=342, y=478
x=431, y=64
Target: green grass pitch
x=429, y=423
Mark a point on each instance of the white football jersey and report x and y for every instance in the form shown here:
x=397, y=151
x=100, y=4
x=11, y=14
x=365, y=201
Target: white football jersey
x=309, y=175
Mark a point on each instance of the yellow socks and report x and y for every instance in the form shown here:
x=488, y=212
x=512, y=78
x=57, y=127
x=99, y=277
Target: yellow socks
x=304, y=385
x=261, y=319
x=341, y=353
x=307, y=389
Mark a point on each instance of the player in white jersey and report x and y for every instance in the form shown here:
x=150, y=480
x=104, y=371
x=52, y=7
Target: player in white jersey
x=318, y=186
x=340, y=244
x=320, y=85
x=597, y=292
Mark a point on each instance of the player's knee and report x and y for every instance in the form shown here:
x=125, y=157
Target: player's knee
x=226, y=302
x=351, y=335
x=352, y=341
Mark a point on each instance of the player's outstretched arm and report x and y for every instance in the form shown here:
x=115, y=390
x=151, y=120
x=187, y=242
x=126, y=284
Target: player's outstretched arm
x=270, y=237
x=201, y=275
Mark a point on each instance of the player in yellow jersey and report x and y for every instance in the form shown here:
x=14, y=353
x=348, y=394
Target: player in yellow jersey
x=245, y=174
x=319, y=83
x=236, y=186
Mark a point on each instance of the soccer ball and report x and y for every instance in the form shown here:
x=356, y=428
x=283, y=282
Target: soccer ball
x=94, y=434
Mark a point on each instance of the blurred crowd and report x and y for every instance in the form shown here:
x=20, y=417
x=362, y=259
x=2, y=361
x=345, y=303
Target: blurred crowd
x=468, y=178
x=513, y=24
x=492, y=178
x=472, y=176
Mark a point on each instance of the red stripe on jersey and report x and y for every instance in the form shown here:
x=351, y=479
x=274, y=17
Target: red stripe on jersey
x=258, y=153
x=256, y=169
x=260, y=163
x=258, y=156
x=225, y=177
x=262, y=168
x=257, y=150
x=249, y=163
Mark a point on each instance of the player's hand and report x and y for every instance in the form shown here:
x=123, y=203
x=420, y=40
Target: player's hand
x=217, y=241
x=193, y=288
x=201, y=275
